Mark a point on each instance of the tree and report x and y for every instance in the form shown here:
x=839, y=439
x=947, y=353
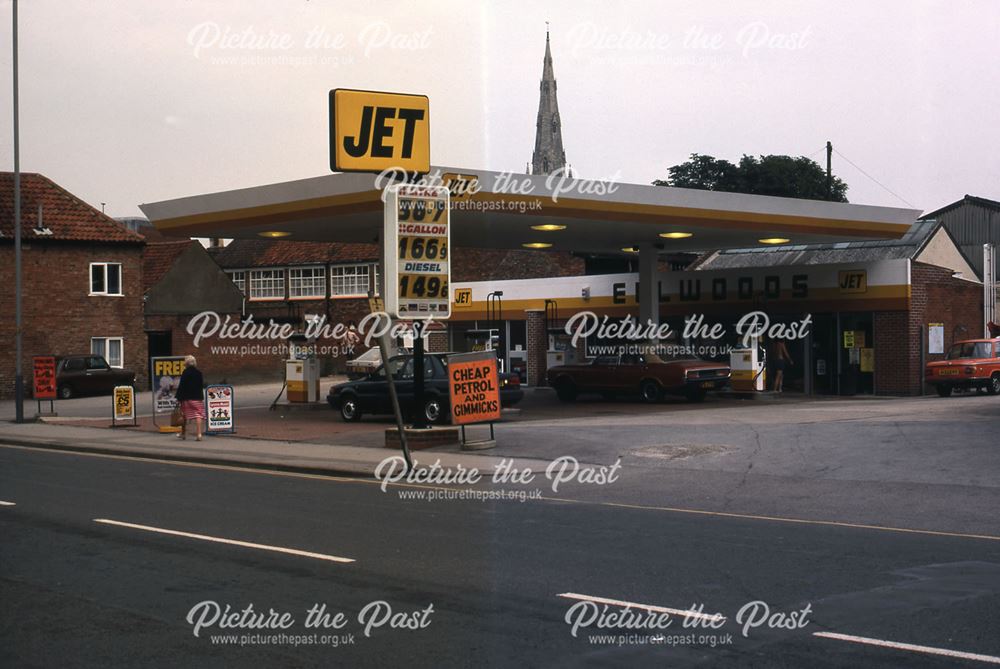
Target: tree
x=782, y=176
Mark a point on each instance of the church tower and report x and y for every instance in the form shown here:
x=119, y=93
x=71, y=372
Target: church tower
x=549, y=155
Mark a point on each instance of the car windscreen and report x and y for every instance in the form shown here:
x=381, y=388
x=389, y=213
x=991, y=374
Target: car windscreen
x=970, y=349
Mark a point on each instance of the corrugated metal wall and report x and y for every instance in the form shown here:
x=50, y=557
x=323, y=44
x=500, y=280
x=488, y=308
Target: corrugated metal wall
x=973, y=225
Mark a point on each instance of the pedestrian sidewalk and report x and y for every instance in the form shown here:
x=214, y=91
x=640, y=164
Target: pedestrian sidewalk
x=233, y=450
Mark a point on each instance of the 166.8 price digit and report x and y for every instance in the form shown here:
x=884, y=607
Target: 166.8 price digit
x=419, y=248
x=415, y=285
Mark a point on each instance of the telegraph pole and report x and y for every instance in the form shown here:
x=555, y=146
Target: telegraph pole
x=18, y=376
x=829, y=171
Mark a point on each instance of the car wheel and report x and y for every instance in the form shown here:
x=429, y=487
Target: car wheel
x=433, y=412
x=649, y=390
x=943, y=389
x=994, y=387
x=349, y=409
x=66, y=392
x=566, y=390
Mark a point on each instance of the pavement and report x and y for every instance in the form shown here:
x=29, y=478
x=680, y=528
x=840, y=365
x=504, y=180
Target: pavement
x=928, y=463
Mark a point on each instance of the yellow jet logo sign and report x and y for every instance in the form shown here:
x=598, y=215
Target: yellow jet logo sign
x=463, y=298
x=371, y=131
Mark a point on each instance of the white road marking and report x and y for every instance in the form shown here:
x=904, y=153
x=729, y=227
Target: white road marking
x=634, y=605
x=7, y=504
x=232, y=542
x=962, y=655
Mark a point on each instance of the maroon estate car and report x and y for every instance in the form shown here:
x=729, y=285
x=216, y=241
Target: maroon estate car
x=648, y=375
x=89, y=375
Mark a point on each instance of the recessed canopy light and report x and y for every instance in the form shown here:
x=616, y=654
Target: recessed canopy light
x=274, y=233
x=548, y=227
x=536, y=245
x=630, y=249
x=676, y=235
x=774, y=240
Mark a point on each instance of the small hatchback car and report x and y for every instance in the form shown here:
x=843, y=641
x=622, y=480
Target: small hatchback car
x=973, y=363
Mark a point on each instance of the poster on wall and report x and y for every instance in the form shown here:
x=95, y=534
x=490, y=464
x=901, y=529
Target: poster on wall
x=935, y=338
x=219, y=409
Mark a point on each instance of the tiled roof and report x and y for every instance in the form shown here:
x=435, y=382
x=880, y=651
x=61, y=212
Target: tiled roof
x=68, y=217
x=243, y=253
x=908, y=246
x=159, y=257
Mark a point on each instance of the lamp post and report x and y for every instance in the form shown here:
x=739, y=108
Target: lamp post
x=18, y=376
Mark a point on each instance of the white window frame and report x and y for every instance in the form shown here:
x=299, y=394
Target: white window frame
x=311, y=278
x=356, y=279
x=276, y=281
x=106, y=352
x=241, y=282
x=104, y=270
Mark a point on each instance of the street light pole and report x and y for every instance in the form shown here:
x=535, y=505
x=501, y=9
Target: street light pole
x=18, y=376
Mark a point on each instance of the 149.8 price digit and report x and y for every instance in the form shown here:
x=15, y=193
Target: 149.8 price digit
x=416, y=285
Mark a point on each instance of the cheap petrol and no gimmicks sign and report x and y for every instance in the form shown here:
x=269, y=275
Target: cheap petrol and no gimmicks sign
x=474, y=387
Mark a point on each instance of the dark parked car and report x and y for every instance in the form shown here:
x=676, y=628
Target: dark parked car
x=649, y=376
x=370, y=394
x=89, y=375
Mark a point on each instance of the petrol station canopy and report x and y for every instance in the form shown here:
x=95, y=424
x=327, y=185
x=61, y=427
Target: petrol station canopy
x=507, y=208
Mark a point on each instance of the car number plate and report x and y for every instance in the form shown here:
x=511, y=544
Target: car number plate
x=947, y=372
x=707, y=384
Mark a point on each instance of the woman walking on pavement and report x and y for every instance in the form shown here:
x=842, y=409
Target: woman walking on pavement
x=190, y=395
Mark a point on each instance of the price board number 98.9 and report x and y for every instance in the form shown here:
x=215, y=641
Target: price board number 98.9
x=420, y=285
x=421, y=210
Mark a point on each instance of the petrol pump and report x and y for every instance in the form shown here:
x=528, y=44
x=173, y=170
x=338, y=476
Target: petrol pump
x=748, y=366
x=487, y=339
x=560, y=345
x=301, y=371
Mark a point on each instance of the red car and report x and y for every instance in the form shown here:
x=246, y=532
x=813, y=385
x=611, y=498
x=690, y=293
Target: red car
x=649, y=376
x=973, y=363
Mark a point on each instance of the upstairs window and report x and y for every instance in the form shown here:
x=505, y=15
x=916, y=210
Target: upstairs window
x=267, y=284
x=307, y=282
x=239, y=280
x=350, y=280
x=106, y=278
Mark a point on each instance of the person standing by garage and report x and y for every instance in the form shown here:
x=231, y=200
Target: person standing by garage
x=782, y=359
x=191, y=396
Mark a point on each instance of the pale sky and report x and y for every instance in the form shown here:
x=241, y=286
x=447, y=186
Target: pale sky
x=138, y=101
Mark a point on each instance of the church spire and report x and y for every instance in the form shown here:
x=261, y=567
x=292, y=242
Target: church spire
x=549, y=155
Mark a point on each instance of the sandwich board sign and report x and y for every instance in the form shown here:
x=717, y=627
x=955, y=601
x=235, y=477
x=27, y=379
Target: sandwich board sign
x=417, y=234
x=473, y=387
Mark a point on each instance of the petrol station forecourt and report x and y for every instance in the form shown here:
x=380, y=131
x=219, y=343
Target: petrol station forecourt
x=502, y=210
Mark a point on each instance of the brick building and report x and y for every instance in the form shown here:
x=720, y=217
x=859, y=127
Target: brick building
x=81, y=280
x=295, y=282
x=938, y=285
x=181, y=280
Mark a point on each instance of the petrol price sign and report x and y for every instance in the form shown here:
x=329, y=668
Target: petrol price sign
x=418, y=263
